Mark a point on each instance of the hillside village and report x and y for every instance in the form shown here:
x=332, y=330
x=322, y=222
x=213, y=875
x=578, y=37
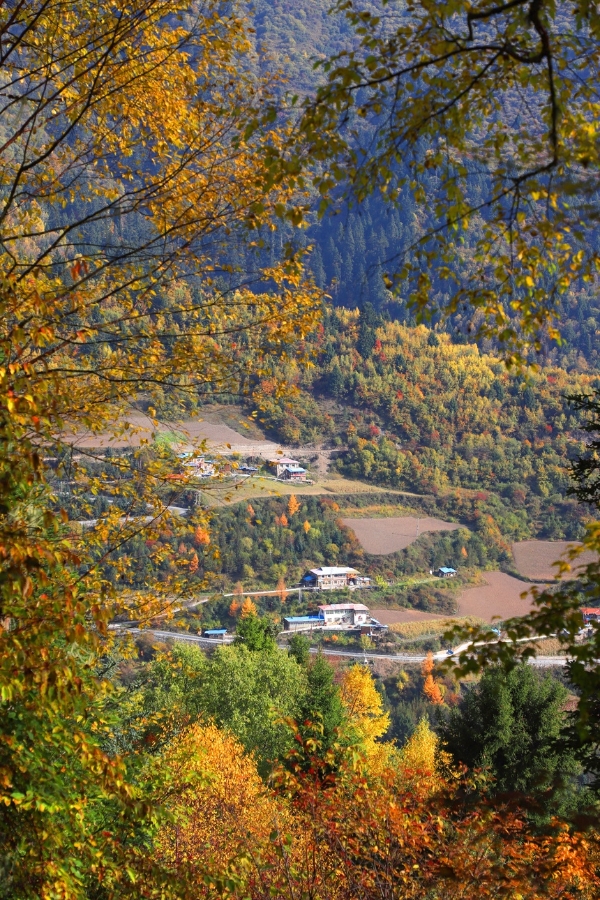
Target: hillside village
x=299, y=450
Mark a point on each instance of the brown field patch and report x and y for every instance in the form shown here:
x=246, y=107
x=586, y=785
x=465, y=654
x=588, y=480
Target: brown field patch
x=534, y=558
x=546, y=647
x=404, y=616
x=500, y=597
x=193, y=432
x=390, y=534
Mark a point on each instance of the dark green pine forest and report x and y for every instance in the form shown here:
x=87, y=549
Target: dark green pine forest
x=355, y=245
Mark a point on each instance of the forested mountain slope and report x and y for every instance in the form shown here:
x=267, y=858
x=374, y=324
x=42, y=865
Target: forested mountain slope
x=355, y=246
x=292, y=34
x=419, y=412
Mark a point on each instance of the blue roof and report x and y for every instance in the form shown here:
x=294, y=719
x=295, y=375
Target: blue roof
x=446, y=569
x=216, y=631
x=303, y=619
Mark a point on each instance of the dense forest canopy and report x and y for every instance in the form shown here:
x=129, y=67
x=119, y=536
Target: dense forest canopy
x=421, y=412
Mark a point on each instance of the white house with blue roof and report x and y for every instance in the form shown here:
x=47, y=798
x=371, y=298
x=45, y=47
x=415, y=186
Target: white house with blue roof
x=445, y=572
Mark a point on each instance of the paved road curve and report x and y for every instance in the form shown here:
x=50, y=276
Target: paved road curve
x=182, y=636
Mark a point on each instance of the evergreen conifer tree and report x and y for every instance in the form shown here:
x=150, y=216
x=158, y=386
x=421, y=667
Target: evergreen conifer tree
x=322, y=705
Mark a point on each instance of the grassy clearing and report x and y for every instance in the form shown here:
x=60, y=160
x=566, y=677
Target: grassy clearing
x=168, y=438
x=227, y=492
x=377, y=511
x=426, y=627
x=546, y=647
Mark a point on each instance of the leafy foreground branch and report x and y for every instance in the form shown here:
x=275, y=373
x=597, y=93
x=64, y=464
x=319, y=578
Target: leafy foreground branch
x=124, y=183
x=484, y=115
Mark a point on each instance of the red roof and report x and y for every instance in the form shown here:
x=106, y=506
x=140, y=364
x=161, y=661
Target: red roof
x=590, y=610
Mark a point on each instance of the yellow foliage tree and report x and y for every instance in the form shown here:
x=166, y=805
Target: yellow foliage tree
x=218, y=803
x=419, y=756
x=402, y=680
x=306, y=526
x=363, y=705
x=248, y=609
x=293, y=505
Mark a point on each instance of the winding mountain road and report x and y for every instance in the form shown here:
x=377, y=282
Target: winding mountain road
x=183, y=637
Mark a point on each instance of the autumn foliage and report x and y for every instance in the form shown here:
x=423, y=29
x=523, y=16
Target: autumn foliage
x=220, y=805
x=325, y=830
x=431, y=688
x=364, y=706
x=201, y=536
x=126, y=164
x=248, y=608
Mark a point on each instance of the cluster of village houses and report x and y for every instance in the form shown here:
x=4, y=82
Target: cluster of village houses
x=346, y=616
x=340, y=615
x=283, y=468
x=324, y=578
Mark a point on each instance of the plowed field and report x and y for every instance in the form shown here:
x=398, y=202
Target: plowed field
x=499, y=597
x=381, y=536
x=534, y=558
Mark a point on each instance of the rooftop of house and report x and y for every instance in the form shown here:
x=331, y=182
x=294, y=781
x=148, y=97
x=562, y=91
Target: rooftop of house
x=446, y=569
x=291, y=468
x=342, y=607
x=334, y=570
x=590, y=610
x=283, y=461
x=302, y=619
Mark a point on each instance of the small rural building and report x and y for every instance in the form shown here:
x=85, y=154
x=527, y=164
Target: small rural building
x=591, y=613
x=340, y=615
x=334, y=578
x=293, y=473
x=279, y=465
x=302, y=623
x=445, y=572
x=215, y=633
x=373, y=629
x=344, y=614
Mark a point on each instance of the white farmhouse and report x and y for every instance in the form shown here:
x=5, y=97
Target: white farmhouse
x=344, y=614
x=334, y=578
